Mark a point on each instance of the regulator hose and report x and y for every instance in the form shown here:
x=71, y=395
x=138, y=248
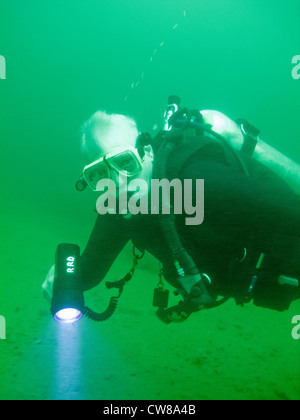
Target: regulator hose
x=167, y=221
x=100, y=317
x=113, y=303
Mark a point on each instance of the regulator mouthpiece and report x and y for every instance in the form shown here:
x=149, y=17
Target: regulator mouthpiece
x=67, y=301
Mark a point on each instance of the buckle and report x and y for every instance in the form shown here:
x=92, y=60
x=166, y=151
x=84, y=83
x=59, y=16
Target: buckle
x=250, y=134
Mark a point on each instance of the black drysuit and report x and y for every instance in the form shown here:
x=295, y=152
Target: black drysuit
x=258, y=213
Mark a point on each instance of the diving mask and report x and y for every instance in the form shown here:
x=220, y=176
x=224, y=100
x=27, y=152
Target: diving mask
x=125, y=161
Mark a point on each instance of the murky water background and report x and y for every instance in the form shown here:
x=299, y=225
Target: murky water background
x=66, y=60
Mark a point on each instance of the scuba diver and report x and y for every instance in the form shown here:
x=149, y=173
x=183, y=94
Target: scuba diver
x=248, y=245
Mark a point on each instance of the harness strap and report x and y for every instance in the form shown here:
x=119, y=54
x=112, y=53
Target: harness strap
x=250, y=134
x=192, y=146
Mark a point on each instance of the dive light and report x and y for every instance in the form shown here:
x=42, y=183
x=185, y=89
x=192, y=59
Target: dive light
x=67, y=302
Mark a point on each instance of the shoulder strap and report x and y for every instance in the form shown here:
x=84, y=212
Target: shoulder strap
x=192, y=146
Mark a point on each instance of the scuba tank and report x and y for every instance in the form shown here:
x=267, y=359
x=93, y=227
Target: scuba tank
x=240, y=136
x=243, y=137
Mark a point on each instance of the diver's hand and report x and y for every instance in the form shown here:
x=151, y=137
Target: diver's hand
x=47, y=286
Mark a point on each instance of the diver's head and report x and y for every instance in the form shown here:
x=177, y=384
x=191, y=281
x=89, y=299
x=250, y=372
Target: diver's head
x=109, y=148
x=103, y=133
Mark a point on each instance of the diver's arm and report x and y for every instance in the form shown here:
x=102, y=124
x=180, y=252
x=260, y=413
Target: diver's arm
x=107, y=240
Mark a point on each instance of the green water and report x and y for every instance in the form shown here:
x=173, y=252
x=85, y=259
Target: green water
x=65, y=60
